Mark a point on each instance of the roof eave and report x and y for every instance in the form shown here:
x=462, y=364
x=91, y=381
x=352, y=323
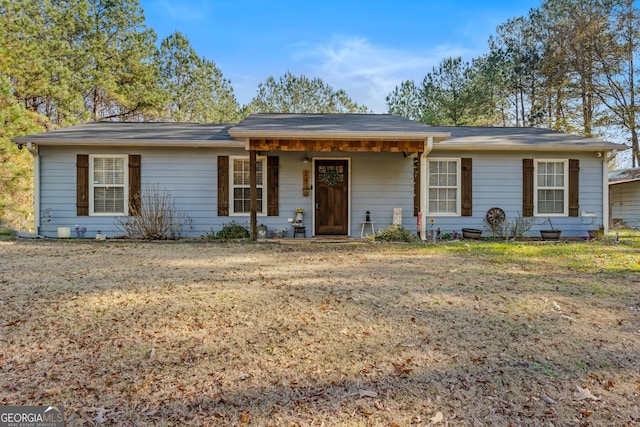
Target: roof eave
x=624, y=181
x=279, y=134
x=129, y=143
x=508, y=147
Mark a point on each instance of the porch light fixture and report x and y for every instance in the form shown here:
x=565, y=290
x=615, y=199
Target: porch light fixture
x=306, y=159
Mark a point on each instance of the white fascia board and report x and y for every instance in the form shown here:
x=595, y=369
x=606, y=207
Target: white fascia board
x=558, y=148
x=133, y=143
x=242, y=134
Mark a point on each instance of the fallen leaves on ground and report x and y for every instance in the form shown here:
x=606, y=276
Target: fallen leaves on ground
x=584, y=393
x=436, y=419
x=233, y=334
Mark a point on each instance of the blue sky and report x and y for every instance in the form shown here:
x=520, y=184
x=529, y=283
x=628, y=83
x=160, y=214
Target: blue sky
x=363, y=47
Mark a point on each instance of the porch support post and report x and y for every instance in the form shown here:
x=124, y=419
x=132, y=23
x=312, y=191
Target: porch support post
x=428, y=146
x=253, y=194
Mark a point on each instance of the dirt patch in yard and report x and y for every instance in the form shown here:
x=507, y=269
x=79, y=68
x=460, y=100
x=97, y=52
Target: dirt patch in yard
x=137, y=334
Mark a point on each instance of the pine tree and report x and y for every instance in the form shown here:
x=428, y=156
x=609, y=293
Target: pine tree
x=195, y=87
x=300, y=94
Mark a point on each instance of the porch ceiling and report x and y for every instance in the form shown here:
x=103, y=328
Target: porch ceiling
x=356, y=145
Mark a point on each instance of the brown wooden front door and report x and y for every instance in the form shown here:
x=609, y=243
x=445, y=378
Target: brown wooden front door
x=332, y=197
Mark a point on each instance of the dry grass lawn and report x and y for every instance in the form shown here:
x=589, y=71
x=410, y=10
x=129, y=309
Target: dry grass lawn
x=194, y=333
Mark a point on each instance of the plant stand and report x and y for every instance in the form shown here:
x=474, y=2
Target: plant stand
x=364, y=224
x=299, y=229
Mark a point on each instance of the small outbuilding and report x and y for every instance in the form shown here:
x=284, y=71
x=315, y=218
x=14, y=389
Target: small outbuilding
x=624, y=196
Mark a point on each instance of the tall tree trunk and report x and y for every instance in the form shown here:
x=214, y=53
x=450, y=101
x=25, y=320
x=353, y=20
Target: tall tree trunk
x=94, y=110
x=635, y=155
x=522, y=113
x=517, y=109
x=586, y=110
x=635, y=151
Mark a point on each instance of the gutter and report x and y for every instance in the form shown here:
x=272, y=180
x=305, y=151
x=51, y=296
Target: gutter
x=522, y=147
x=623, y=181
x=335, y=134
x=130, y=143
x=606, y=206
x=428, y=146
x=606, y=192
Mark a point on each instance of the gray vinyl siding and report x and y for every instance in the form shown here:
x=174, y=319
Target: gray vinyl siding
x=380, y=182
x=497, y=182
x=625, y=203
x=188, y=174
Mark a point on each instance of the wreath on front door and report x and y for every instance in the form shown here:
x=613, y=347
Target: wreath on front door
x=331, y=177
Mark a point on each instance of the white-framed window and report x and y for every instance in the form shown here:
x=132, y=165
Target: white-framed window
x=443, y=186
x=240, y=185
x=108, y=185
x=551, y=192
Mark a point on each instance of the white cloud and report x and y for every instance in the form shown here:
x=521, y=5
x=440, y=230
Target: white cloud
x=368, y=73
x=185, y=11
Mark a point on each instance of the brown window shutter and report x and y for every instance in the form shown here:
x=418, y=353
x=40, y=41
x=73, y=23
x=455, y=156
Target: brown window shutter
x=134, y=184
x=527, y=187
x=416, y=185
x=466, y=183
x=82, y=185
x=273, y=204
x=223, y=185
x=574, y=187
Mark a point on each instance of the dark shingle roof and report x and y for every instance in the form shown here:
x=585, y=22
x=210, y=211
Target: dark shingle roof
x=143, y=133
x=519, y=138
x=316, y=126
x=333, y=126
x=625, y=175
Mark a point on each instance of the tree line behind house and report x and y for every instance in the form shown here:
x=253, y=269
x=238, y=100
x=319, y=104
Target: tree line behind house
x=568, y=65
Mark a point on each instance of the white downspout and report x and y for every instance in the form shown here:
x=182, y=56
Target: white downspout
x=428, y=146
x=606, y=209
x=36, y=187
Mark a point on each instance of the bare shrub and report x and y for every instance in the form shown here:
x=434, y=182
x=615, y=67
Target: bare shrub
x=497, y=229
x=520, y=227
x=515, y=228
x=155, y=217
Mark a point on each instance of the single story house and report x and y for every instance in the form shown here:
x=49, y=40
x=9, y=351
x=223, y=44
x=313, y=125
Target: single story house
x=624, y=196
x=355, y=166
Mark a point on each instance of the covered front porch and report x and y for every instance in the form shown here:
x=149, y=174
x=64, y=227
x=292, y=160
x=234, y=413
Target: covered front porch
x=327, y=144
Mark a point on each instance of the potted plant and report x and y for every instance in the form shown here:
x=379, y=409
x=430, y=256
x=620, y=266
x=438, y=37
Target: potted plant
x=471, y=233
x=305, y=190
x=551, y=233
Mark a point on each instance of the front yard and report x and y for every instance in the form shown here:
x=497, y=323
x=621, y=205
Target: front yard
x=195, y=333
